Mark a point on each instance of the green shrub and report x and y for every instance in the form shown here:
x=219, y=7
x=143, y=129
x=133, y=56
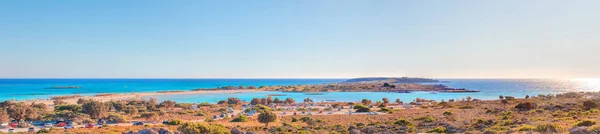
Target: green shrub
x=294, y=119
x=526, y=106
x=117, y=118
x=549, y=128
x=447, y=113
x=438, y=130
x=204, y=104
x=362, y=108
x=425, y=118
x=305, y=119
x=241, y=118
x=498, y=128
x=403, y=122
x=197, y=128
x=383, y=109
x=466, y=107
x=175, y=122
x=73, y=108
x=585, y=122
x=526, y=128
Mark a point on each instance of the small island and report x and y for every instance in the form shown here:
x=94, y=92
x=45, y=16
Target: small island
x=375, y=84
x=63, y=87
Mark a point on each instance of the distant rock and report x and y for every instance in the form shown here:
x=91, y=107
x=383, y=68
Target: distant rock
x=579, y=130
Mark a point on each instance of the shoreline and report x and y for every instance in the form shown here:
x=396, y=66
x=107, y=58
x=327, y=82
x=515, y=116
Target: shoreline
x=105, y=97
x=126, y=96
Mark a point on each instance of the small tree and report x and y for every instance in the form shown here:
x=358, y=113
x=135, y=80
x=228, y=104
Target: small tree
x=307, y=100
x=95, y=109
x=168, y=104
x=267, y=117
x=21, y=111
x=59, y=102
x=290, y=101
x=269, y=100
x=241, y=118
x=362, y=108
x=277, y=100
x=255, y=101
x=234, y=101
x=149, y=115
x=386, y=84
x=385, y=100
x=366, y=102
x=587, y=105
x=526, y=106
x=501, y=97
x=4, y=118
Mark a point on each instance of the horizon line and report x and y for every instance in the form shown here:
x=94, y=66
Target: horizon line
x=285, y=77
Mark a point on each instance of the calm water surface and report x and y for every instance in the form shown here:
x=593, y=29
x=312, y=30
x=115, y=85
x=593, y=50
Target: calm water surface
x=490, y=88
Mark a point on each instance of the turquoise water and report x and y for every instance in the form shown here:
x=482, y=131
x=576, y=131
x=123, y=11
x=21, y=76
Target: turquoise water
x=21, y=89
x=490, y=88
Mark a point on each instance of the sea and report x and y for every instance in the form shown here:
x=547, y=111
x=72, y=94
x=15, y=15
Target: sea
x=28, y=89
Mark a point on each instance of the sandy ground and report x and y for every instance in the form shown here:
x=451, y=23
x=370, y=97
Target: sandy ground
x=114, y=97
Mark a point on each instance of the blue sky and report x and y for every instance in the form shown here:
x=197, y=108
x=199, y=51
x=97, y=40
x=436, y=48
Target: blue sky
x=299, y=39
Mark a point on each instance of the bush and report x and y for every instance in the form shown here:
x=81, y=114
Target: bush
x=362, y=108
x=294, y=119
x=117, y=118
x=438, y=130
x=465, y=107
x=425, y=118
x=73, y=108
x=241, y=118
x=526, y=106
x=197, y=128
x=305, y=119
x=267, y=117
x=175, y=122
x=587, y=105
x=383, y=109
x=447, y=113
x=526, y=128
x=403, y=122
x=549, y=128
x=44, y=131
x=497, y=128
x=586, y=122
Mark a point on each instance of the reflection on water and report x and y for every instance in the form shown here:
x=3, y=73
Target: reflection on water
x=593, y=84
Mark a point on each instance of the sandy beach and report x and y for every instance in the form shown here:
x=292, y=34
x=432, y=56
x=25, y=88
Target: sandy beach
x=128, y=96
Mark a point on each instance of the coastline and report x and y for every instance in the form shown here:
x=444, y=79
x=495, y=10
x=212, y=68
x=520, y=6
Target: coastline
x=128, y=96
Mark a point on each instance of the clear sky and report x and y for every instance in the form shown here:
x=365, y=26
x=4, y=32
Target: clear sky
x=301, y=38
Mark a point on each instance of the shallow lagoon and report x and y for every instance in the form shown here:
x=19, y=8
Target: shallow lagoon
x=337, y=96
x=490, y=88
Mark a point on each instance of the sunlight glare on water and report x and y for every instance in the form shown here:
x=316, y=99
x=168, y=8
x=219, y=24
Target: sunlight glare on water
x=591, y=84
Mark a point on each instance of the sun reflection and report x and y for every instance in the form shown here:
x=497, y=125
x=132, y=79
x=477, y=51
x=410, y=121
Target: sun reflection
x=589, y=83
